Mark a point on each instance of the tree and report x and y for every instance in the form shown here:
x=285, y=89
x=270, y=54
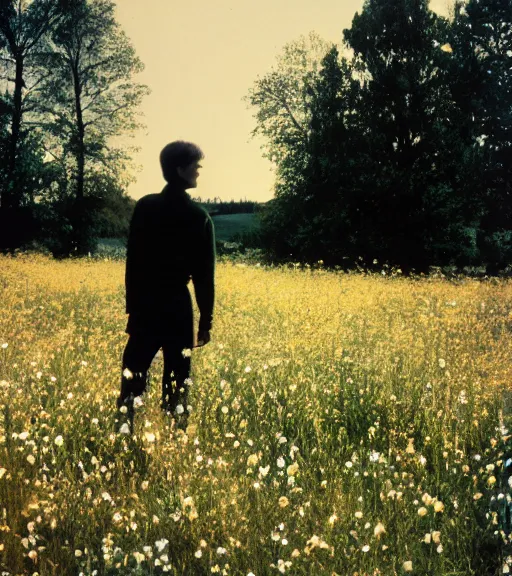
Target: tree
x=482, y=60
x=90, y=98
x=23, y=24
x=281, y=97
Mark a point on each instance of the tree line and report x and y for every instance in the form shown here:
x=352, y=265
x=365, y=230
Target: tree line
x=68, y=89
x=217, y=207
x=399, y=150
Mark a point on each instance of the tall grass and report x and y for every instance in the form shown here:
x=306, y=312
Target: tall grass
x=341, y=424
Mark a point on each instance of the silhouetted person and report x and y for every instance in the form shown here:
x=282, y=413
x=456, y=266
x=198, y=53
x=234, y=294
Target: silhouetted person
x=171, y=240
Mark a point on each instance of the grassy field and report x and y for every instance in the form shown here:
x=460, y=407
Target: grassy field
x=227, y=225
x=341, y=425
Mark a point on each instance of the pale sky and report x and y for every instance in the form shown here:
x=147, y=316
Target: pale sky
x=201, y=57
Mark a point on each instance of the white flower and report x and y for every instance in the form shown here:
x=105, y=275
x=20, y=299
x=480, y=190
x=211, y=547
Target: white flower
x=407, y=566
x=198, y=553
x=161, y=544
x=4, y=346
x=365, y=548
x=280, y=462
x=442, y=362
x=179, y=409
x=31, y=459
x=150, y=437
x=348, y=464
x=221, y=551
x=128, y=374
x=186, y=352
x=59, y=441
x=125, y=429
x=23, y=436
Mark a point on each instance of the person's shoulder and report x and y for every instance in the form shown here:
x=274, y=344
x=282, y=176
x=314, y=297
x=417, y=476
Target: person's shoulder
x=148, y=202
x=149, y=199
x=199, y=211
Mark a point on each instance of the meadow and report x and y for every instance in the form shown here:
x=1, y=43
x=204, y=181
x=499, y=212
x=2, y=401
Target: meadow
x=342, y=424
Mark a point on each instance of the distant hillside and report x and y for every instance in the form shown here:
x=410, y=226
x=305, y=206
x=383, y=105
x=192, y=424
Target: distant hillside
x=227, y=225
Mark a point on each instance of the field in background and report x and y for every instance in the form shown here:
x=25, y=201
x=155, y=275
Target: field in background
x=228, y=225
x=341, y=424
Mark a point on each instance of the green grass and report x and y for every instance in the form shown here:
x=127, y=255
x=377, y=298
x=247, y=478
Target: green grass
x=228, y=225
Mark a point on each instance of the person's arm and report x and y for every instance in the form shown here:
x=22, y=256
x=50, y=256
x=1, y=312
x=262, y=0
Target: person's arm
x=134, y=251
x=203, y=276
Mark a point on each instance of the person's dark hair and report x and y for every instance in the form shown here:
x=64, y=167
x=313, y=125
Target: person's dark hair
x=178, y=154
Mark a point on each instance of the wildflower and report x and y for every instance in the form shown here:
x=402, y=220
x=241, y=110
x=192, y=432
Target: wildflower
x=439, y=548
x=379, y=529
x=117, y=517
x=4, y=345
x=128, y=374
x=422, y=511
x=198, y=553
x=253, y=460
x=436, y=536
x=283, y=502
x=161, y=544
x=348, y=464
x=180, y=409
x=264, y=471
x=491, y=480
x=365, y=548
x=221, y=551
x=446, y=48
x=410, y=446
x=438, y=506
x=59, y=440
x=145, y=485
x=280, y=462
x=125, y=429
x=427, y=538
x=150, y=437
x=31, y=459
x=407, y=566
x=139, y=557
x=186, y=353
x=292, y=469
x=478, y=495
x=442, y=363
x=224, y=409
x=358, y=514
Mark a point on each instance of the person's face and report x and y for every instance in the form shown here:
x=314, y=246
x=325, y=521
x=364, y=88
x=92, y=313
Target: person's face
x=190, y=174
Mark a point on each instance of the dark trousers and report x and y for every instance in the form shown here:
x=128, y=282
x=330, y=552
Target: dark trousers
x=171, y=329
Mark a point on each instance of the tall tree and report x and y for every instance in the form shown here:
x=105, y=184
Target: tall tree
x=90, y=95
x=484, y=67
x=23, y=23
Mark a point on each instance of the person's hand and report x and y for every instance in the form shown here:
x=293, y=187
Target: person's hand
x=203, y=337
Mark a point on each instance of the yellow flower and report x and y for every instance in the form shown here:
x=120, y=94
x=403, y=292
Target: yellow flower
x=407, y=566
x=422, y=511
x=438, y=506
x=379, y=530
x=283, y=502
x=292, y=469
x=252, y=460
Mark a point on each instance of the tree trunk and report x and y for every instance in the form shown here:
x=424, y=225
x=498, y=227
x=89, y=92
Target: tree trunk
x=13, y=193
x=80, y=217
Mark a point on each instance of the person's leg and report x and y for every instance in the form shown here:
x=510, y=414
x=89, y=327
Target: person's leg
x=137, y=357
x=177, y=345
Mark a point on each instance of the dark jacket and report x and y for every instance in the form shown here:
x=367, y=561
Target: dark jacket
x=171, y=240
